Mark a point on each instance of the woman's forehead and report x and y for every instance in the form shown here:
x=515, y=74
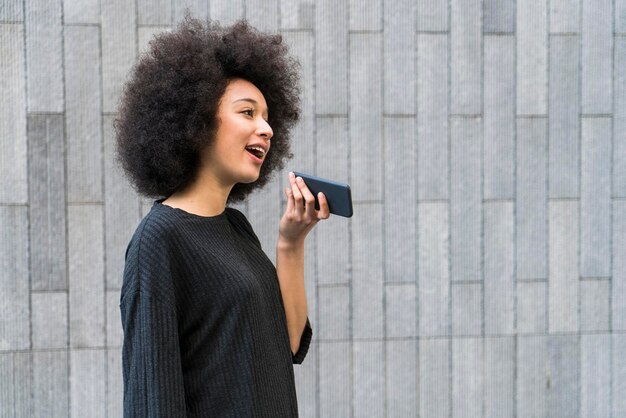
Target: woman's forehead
x=239, y=88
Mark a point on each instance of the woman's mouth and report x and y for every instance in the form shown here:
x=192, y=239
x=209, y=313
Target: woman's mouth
x=257, y=153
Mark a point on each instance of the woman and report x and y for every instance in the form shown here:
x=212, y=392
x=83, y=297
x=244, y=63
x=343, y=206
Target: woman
x=211, y=327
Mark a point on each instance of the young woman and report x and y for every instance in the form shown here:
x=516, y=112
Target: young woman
x=211, y=327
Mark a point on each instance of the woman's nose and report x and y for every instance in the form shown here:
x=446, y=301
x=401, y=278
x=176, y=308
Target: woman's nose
x=265, y=130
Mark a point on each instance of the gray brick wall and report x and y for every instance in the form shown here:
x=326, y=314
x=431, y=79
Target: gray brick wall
x=483, y=272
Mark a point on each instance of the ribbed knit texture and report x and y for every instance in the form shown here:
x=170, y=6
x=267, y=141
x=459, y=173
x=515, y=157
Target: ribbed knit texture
x=205, y=332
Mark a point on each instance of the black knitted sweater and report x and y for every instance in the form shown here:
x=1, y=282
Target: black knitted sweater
x=205, y=332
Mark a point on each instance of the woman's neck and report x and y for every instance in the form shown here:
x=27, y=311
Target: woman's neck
x=204, y=197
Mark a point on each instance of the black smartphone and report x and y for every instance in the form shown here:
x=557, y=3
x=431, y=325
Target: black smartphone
x=337, y=194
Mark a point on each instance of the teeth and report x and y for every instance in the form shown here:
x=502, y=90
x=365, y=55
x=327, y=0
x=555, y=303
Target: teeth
x=261, y=150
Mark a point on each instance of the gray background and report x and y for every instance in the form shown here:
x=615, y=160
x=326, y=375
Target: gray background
x=484, y=270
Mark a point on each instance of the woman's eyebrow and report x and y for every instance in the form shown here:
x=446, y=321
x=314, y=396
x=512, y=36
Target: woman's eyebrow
x=246, y=99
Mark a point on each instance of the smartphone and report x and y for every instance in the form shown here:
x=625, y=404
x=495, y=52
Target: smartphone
x=337, y=194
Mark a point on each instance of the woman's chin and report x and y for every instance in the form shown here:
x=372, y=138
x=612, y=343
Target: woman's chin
x=251, y=178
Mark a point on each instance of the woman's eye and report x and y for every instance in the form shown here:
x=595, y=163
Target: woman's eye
x=248, y=112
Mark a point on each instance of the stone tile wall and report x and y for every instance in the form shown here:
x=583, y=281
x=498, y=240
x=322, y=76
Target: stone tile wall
x=483, y=273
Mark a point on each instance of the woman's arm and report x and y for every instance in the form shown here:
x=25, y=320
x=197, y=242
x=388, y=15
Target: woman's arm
x=298, y=220
x=290, y=270
x=153, y=378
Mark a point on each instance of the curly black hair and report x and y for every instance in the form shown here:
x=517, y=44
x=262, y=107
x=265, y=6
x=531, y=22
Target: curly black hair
x=167, y=114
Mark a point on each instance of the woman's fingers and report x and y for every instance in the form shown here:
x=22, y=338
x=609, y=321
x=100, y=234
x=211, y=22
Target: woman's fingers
x=290, y=201
x=301, y=200
x=308, y=198
x=324, y=212
x=297, y=195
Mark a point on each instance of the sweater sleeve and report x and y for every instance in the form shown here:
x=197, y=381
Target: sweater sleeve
x=305, y=342
x=153, y=379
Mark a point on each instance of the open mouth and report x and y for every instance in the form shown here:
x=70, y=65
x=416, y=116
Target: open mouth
x=258, y=152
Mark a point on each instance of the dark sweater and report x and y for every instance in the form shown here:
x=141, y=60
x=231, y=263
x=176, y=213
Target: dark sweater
x=205, y=332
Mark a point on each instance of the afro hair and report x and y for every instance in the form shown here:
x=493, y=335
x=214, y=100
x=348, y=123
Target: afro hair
x=167, y=114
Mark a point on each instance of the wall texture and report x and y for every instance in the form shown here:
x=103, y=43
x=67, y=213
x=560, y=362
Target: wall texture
x=484, y=270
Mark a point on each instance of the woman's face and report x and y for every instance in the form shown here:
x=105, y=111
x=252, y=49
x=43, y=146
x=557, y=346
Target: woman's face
x=243, y=135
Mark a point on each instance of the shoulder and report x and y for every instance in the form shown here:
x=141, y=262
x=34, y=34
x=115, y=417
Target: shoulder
x=151, y=236
x=150, y=255
x=236, y=216
x=241, y=223
x=157, y=226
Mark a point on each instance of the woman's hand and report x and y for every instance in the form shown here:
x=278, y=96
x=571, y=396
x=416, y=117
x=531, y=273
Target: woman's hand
x=300, y=216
